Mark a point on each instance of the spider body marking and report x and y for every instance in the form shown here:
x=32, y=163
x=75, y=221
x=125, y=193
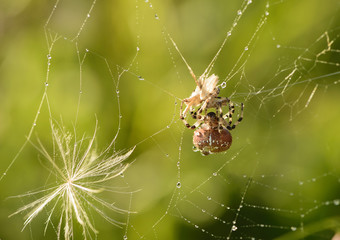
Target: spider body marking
x=209, y=138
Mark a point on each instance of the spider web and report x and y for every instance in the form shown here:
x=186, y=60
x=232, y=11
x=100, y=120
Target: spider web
x=280, y=178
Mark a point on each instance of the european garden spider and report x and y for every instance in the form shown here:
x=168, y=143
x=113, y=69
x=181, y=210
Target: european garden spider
x=206, y=95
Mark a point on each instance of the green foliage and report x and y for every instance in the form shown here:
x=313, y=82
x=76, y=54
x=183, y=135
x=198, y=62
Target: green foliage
x=113, y=62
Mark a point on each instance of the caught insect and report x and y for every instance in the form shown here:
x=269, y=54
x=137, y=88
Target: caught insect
x=206, y=96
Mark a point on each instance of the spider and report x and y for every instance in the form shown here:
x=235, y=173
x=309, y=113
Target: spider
x=206, y=95
x=209, y=138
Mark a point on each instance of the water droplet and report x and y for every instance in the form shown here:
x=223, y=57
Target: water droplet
x=250, y=1
x=203, y=210
x=278, y=46
x=86, y=50
x=4, y=174
x=233, y=228
x=300, y=183
x=209, y=198
x=146, y=0
x=141, y=78
x=178, y=164
x=336, y=202
x=215, y=174
x=196, y=226
x=34, y=124
x=138, y=49
x=246, y=48
x=156, y=16
x=117, y=91
x=88, y=15
x=239, y=12
x=80, y=91
x=122, y=175
x=228, y=33
x=49, y=56
x=168, y=126
x=46, y=84
x=293, y=228
x=125, y=237
x=266, y=13
x=120, y=116
x=223, y=85
x=178, y=185
x=150, y=5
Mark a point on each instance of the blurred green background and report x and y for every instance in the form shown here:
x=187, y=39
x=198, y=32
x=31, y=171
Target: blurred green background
x=290, y=152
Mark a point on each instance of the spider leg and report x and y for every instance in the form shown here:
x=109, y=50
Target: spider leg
x=224, y=101
x=219, y=113
x=193, y=113
x=182, y=114
x=229, y=115
x=196, y=124
x=240, y=117
x=185, y=122
x=197, y=114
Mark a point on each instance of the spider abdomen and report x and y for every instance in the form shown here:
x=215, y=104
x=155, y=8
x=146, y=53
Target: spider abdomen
x=212, y=140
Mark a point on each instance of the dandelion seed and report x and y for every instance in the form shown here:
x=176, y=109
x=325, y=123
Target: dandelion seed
x=81, y=174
